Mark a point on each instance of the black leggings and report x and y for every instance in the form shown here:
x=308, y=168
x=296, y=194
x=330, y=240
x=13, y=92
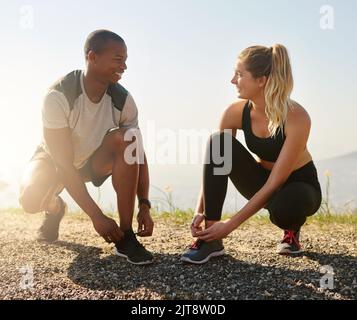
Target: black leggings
x=297, y=198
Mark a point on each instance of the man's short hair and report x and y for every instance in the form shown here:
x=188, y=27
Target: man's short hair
x=97, y=40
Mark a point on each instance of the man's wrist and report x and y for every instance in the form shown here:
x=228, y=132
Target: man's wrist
x=96, y=215
x=144, y=202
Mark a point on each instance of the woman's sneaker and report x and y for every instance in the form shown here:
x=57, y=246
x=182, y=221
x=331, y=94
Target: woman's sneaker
x=130, y=248
x=290, y=243
x=201, y=251
x=48, y=231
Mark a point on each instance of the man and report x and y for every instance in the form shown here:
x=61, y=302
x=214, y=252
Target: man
x=86, y=119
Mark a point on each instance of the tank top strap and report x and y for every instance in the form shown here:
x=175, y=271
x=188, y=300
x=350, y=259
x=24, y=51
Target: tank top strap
x=246, y=116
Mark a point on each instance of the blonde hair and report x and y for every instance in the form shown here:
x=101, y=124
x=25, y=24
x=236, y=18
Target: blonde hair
x=274, y=63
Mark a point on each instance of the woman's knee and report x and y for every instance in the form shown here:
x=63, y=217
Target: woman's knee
x=221, y=137
x=221, y=144
x=224, y=143
x=219, y=153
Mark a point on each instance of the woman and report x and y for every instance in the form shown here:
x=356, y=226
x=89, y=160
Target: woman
x=284, y=179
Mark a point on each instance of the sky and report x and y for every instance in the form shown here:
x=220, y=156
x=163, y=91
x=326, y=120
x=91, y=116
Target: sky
x=181, y=58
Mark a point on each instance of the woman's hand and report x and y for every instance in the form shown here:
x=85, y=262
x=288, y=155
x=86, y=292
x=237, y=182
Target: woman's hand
x=196, y=224
x=217, y=231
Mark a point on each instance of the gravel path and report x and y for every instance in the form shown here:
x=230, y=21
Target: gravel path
x=82, y=266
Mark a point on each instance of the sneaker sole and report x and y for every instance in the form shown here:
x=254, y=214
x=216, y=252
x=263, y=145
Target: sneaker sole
x=213, y=254
x=286, y=252
x=40, y=240
x=130, y=261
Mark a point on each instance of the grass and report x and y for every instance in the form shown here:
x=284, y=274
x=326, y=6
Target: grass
x=180, y=217
x=184, y=217
x=326, y=214
x=340, y=218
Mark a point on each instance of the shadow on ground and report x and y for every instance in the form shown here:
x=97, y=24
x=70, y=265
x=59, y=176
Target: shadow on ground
x=224, y=277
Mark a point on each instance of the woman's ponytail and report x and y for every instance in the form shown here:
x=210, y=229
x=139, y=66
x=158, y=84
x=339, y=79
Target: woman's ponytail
x=278, y=88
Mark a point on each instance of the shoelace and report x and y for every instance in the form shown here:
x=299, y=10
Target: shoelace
x=290, y=238
x=196, y=244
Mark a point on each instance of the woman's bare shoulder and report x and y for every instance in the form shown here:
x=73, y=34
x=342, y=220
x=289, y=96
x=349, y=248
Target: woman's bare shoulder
x=232, y=115
x=297, y=114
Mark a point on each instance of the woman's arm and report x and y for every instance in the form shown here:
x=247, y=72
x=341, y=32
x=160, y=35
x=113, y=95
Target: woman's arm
x=200, y=205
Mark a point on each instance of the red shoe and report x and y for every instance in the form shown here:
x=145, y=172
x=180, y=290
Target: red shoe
x=290, y=243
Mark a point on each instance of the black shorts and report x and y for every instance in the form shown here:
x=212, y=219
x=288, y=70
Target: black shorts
x=85, y=171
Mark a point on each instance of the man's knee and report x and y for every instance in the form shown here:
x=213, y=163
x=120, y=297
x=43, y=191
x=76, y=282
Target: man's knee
x=30, y=200
x=39, y=181
x=119, y=139
x=125, y=142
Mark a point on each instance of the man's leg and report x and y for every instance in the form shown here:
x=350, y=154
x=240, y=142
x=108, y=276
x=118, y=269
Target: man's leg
x=39, y=190
x=109, y=158
x=39, y=187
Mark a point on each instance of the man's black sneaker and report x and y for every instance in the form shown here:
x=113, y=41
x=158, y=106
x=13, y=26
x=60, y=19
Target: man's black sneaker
x=201, y=251
x=48, y=231
x=290, y=243
x=131, y=249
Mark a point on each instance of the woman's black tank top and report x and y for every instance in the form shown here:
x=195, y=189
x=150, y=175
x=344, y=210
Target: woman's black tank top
x=267, y=149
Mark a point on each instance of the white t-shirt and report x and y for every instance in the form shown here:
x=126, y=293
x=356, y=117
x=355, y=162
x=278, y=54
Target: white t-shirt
x=66, y=105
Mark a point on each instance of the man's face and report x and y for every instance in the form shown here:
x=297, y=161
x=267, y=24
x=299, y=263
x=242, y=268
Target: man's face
x=110, y=64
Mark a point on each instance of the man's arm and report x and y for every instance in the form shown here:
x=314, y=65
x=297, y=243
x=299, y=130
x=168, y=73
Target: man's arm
x=145, y=222
x=60, y=146
x=129, y=120
x=144, y=180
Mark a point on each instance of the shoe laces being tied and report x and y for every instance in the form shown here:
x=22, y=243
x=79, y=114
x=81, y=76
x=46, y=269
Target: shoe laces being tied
x=290, y=237
x=196, y=245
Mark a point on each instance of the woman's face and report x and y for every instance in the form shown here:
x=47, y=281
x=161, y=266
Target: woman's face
x=247, y=86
